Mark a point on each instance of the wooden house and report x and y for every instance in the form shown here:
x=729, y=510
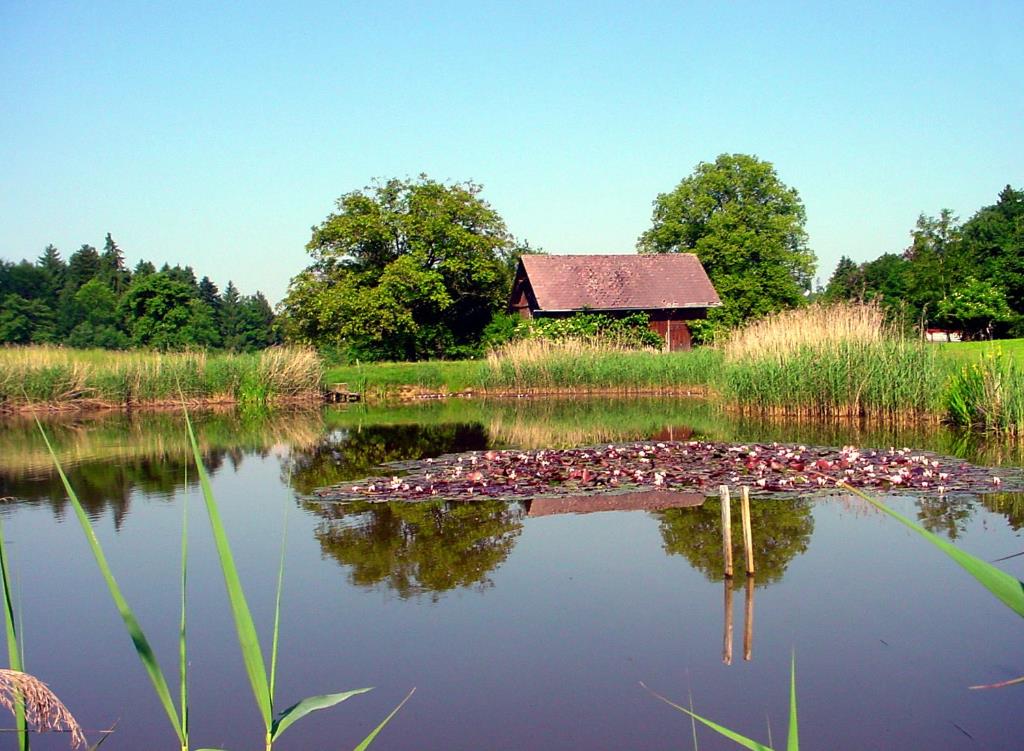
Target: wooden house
x=671, y=288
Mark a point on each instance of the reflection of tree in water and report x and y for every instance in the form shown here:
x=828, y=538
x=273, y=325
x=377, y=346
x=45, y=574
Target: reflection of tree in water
x=1010, y=505
x=110, y=458
x=949, y=514
x=106, y=485
x=415, y=548
x=782, y=530
x=356, y=453
x=946, y=514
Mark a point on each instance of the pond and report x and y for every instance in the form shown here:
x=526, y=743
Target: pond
x=520, y=627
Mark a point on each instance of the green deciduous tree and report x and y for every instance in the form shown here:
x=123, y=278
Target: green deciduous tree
x=25, y=279
x=934, y=265
x=976, y=308
x=95, y=307
x=162, y=311
x=993, y=245
x=403, y=269
x=747, y=228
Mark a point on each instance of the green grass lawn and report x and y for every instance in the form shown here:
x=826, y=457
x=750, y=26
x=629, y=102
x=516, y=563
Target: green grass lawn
x=383, y=377
x=966, y=352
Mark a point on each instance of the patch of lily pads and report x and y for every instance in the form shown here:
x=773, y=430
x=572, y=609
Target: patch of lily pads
x=702, y=466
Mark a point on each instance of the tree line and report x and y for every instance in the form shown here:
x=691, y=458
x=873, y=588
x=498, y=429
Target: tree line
x=94, y=300
x=411, y=269
x=965, y=277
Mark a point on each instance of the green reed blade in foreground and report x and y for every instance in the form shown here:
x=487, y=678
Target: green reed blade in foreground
x=277, y=606
x=142, y=647
x=793, y=743
x=14, y=660
x=248, y=640
x=1008, y=589
x=300, y=709
x=182, y=644
x=730, y=734
x=373, y=734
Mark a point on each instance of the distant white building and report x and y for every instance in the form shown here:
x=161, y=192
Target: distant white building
x=941, y=335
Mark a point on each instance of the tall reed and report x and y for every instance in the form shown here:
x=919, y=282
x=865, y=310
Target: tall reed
x=57, y=377
x=142, y=646
x=840, y=360
x=15, y=659
x=988, y=395
x=581, y=366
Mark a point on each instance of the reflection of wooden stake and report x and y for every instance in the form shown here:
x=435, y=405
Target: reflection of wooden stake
x=748, y=621
x=748, y=534
x=723, y=491
x=727, y=636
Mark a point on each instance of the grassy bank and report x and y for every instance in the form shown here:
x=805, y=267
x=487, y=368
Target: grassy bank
x=60, y=378
x=533, y=367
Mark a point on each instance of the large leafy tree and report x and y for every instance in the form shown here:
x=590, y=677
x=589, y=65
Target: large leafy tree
x=403, y=269
x=935, y=263
x=993, y=245
x=747, y=228
x=976, y=308
x=164, y=312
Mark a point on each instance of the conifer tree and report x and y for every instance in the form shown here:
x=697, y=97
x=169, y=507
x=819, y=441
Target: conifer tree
x=112, y=268
x=83, y=265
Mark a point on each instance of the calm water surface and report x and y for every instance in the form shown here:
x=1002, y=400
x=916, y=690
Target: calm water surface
x=518, y=631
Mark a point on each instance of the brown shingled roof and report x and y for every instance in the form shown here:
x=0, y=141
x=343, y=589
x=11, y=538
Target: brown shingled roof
x=602, y=282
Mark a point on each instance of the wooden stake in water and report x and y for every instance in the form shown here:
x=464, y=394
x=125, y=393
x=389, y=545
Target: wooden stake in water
x=748, y=621
x=723, y=491
x=727, y=634
x=748, y=534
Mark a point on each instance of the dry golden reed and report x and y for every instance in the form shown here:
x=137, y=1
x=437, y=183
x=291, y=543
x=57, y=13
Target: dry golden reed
x=59, y=377
x=44, y=712
x=536, y=351
x=782, y=335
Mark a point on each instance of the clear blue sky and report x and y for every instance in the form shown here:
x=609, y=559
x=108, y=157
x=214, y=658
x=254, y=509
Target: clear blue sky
x=217, y=134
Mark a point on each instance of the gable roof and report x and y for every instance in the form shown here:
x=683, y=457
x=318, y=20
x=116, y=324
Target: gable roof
x=619, y=282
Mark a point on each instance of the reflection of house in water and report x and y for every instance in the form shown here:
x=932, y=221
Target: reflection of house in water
x=673, y=433
x=641, y=500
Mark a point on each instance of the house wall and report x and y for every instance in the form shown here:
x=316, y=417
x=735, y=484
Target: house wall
x=520, y=304
x=672, y=326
